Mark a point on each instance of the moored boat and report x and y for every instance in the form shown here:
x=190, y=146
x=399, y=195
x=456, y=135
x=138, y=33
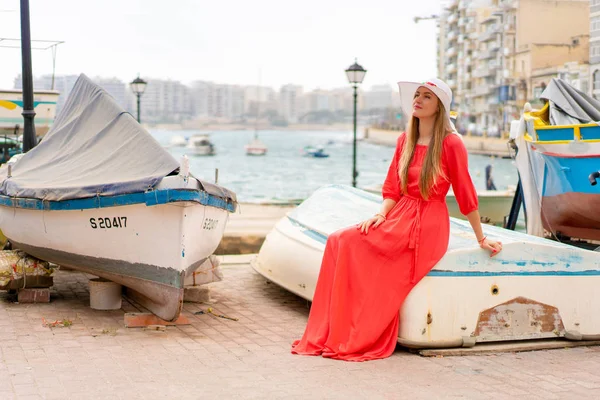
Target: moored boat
x=11, y=107
x=200, y=145
x=558, y=153
x=534, y=289
x=99, y=194
x=494, y=205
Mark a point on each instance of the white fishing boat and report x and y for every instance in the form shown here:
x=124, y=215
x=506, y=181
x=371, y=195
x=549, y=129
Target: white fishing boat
x=256, y=147
x=11, y=107
x=494, y=205
x=200, y=145
x=99, y=194
x=535, y=288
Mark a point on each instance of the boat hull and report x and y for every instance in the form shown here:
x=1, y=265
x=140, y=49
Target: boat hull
x=572, y=214
x=149, y=249
x=534, y=289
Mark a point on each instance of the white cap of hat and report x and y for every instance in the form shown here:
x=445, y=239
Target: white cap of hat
x=437, y=86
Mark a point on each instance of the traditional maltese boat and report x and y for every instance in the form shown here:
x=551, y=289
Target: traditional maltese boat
x=100, y=195
x=534, y=289
x=11, y=107
x=558, y=160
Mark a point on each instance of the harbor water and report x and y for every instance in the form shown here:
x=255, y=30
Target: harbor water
x=285, y=174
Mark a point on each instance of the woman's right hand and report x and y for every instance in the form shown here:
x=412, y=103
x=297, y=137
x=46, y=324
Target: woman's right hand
x=374, y=221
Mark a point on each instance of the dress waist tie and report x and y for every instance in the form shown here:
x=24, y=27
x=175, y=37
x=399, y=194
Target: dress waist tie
x=415, y=232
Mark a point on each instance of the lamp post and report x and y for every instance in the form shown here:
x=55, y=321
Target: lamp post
x=355, y=74
x=138, y=86
x=28, y=113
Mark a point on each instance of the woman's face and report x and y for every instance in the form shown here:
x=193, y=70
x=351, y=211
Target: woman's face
x=425, y=103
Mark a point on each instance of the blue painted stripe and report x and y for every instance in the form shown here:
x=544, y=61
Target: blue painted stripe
x=151, y=198
x=35, y=103
x=319, y=237
x=434, y=272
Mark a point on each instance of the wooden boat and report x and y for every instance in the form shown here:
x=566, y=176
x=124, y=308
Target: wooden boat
x=535, y=288
x=556, y=165
x=99, y=194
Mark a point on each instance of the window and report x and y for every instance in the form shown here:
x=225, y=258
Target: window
x=595, y=24
x=596, y=78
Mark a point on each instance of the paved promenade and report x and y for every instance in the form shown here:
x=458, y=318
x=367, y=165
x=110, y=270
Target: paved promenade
x=217, y=358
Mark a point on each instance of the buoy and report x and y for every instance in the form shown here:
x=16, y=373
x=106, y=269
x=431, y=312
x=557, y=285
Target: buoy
x=104, y=294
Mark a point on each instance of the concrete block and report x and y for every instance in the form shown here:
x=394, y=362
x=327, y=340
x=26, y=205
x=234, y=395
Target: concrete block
x=196, y=294
x=34, y=296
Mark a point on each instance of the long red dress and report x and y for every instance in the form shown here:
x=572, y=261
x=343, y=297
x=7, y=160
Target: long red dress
x=364, y=279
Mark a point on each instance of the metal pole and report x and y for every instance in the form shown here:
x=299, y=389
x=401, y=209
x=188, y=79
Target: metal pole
x=29, y=140
x=354, y=172
x=138, y=106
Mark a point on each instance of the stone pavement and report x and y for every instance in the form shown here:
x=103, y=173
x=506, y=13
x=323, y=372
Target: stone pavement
x=216, y=358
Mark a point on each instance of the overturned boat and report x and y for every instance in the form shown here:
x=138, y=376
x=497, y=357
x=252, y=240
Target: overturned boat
x=534, y=289
x=100, y=195
x=558, y=158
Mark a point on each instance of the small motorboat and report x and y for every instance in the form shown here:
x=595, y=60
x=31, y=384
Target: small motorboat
x=317, y=152
x=534, y=289
x=256, y=147
x=100, y=195
x=494, y=205
x=200, y=145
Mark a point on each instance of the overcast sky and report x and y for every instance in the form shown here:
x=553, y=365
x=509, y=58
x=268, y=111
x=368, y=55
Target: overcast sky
x=308, y=42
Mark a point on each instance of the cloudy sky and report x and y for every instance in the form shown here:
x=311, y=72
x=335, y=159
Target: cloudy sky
x=307, y=42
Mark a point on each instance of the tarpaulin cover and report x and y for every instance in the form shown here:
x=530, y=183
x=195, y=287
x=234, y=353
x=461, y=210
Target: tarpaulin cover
x=94, y=148
x=569, y=106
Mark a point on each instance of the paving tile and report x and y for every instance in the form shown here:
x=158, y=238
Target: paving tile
x=97, y=357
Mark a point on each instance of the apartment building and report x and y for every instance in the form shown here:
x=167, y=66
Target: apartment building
x=507, y=49
x=595, y=48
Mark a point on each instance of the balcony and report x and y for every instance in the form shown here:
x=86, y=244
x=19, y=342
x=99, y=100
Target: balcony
x=488, y=35
x=452, y=19
x=482, y=90
x=485, y=55
x=481, y=72
x=451, y=51
x=451, y=68
x=462, y=4
x=451, y=36
x=463, y=21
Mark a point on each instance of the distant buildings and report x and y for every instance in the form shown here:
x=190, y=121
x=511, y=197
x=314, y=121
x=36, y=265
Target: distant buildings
x=168, y=101
x=498, y=54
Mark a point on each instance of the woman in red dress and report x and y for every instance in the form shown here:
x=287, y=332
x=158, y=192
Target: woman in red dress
x=368, y=270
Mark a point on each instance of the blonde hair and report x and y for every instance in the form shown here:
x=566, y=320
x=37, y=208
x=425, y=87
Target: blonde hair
x=432, y=165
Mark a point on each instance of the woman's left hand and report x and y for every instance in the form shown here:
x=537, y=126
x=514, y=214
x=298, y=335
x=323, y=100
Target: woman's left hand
x=492, y=246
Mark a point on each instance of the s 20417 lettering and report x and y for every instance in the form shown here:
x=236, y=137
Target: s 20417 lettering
x=108, y=222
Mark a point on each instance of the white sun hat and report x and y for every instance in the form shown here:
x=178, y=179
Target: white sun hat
x=437, y=86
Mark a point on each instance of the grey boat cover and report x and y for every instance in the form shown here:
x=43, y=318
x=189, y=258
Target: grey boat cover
x=569, y=106
x=94, y=148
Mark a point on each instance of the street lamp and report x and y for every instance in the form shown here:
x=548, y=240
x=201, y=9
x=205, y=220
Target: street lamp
x=29, y=139
x=355, y=74
x=138, y=86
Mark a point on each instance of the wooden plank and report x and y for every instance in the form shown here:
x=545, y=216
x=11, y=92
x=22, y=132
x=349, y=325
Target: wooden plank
x=507, y=347
x=144, y=320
